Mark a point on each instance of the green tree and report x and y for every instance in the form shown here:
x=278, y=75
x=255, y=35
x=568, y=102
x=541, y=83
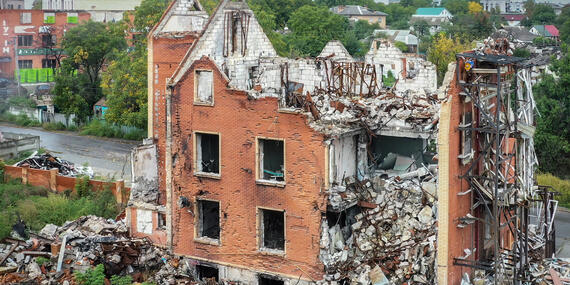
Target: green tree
x=147, y=14
x=552, y=137
x=421, y=28
x=443, y=50
x=124, y=82
x=312, y=27
x=281, y=9
x=542, y=14
x=89, y=47
x=456, y=7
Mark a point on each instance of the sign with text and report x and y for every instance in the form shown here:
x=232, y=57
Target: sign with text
x=38, y=51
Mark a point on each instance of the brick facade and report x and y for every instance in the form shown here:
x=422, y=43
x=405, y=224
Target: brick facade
x=16, y=23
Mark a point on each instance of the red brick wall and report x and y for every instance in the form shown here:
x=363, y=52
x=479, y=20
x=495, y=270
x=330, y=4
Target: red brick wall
x=239, y=121
x=167, y=54
x=50, y=179
x=11, y=27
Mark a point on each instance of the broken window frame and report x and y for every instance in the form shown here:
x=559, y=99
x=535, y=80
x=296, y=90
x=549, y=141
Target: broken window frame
x=197, y=100
x=209, y=266
x=259, y=155
x=466, y=147
x=197, y=171
x=261, y=233
x=198, y=237
x=160, y=221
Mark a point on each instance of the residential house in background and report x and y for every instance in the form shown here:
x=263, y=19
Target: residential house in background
x=355, y=13
x=30, y=42
x=403, y=36
x=12, y=4
x=546, y=31
x=434, y=17
x=100, y=108
x=517, y=35
x=513, y=19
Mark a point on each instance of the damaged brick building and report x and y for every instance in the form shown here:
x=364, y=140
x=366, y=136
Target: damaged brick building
x=261, y=169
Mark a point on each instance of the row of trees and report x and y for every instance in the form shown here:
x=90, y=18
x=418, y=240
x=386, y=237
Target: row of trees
x=100, y=62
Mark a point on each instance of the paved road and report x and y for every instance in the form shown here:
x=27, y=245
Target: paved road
x=108, y=158
x=562, y=226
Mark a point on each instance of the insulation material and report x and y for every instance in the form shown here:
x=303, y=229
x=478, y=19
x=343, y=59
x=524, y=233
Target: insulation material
x=343, y=159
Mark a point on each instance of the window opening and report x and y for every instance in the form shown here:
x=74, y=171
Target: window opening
x=204, y=80
x=272, y=160
x=207, y=273
x=208, y=153
x=209, y=219
x=273, y=229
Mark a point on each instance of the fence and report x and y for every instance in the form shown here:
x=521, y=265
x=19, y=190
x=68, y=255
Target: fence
x=16, y=143
x=58, y=183
x=43, y=116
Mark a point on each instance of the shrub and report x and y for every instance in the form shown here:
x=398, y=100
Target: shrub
x=401, y=46
x=121, y=280
x=559, y=185
x=103, y=129
x=54, y=126
x=42, y=260
x=389, y=80
x=93, y=276
x=22, y=101
x=82, y=186
x=21, y=120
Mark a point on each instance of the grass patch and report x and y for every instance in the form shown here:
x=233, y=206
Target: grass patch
x=37, y=206
x=103, y=129
x=559, y=185
x=22, y=101
x=20, y=120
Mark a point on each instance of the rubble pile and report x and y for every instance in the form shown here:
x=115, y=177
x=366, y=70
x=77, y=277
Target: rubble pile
x=496, y=46
x=410, y=110
x=54, y=254
x=391, y=241
x=47, y=161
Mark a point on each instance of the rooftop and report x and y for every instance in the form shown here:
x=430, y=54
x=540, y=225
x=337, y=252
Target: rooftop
x=429, y=11
x=355, y=10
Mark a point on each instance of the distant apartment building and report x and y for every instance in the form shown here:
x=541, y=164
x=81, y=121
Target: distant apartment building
x=12, y=4
x=355, y=13
x=100, y=10
x=30, y=42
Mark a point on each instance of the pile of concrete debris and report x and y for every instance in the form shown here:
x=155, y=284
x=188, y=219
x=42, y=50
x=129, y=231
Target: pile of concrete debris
x=390, y=237
x=47, y=161
x=409, y=110
x=555, y=271
x=54, y=254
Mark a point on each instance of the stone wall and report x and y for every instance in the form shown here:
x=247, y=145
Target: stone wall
x=17, y=143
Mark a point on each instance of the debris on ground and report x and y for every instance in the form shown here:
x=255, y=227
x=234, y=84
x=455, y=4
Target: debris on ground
x=47, y=161
x=56, y=253
x=387, y=234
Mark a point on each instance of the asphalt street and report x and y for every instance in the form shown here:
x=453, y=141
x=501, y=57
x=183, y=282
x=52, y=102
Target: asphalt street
x=562, y=227
x=108, y=158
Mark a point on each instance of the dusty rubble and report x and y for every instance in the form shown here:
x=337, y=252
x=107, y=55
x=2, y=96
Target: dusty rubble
x=409, y=110
x=47, y=161
x=392, y=240
x=82, y=244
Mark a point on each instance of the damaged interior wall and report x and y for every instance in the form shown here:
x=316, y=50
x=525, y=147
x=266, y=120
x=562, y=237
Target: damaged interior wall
x=412, y=71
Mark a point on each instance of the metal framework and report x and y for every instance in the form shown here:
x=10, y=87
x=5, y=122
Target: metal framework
x=501, y=165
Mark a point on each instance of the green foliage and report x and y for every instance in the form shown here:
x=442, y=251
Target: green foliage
x=552, y=137
x=22, y=101
x=389, y=80
x=421, y=28
x=21, y=156
x=542, y=14
x=312, y=27
x=456, y=7
x=82, y=187
x=401, y=46
x=521, y=52
x=147, y=15
x=20, y=120
x=93, y=276
x=121, y=280
x=280, y=9
x=559, y=185
x=37, y=206
x=89, y=46
x=104, y=129
x=54, y=126
x=42, y=260
x=442, y=51
x=542, y=41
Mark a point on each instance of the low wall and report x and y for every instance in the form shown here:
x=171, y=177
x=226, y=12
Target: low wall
x=43, y=116
x=52, y=180
x=16, y=143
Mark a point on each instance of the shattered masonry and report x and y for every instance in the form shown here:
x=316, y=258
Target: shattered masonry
x=308, y=170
